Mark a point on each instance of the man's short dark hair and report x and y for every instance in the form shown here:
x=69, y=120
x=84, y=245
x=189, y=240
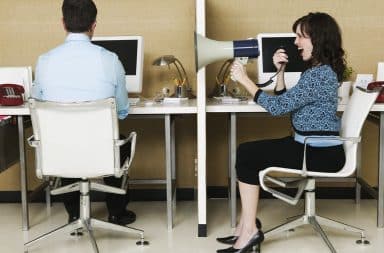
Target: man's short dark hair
x=79, y=15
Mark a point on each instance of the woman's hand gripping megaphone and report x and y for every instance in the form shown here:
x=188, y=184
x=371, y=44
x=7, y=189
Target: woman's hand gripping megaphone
x=238, y=71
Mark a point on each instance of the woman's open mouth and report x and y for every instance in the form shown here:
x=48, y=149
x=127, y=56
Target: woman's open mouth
x=301, y=50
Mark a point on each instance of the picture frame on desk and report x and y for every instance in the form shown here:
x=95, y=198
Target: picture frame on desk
x=362, y=80
x=380, y=71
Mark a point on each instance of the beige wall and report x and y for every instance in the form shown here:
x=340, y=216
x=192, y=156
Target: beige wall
x=29, y=28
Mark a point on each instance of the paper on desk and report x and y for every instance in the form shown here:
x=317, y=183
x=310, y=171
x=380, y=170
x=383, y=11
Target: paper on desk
x=362, y=80
x=173, y=100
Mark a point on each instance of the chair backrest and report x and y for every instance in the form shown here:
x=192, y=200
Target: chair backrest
x=17, y=75
x=75, y=140
x=352, y=122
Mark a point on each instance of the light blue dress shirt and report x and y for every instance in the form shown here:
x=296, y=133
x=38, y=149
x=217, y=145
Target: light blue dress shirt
x=78, y=70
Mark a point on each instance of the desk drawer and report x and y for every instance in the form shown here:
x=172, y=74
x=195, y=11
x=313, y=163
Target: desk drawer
x=9, y=143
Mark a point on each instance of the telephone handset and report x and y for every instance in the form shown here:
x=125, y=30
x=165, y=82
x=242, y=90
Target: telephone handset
x=261, y=85
x=378, y=85
x=11, y=94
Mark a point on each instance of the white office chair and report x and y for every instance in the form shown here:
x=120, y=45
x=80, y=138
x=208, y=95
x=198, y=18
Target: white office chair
x=80, y=140
x=351, y=124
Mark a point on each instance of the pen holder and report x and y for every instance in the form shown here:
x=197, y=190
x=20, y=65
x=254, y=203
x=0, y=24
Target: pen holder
x=180, y=91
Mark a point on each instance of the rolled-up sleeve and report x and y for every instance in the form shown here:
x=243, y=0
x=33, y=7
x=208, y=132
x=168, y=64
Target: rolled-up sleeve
x=121, y=91
x=36, y=86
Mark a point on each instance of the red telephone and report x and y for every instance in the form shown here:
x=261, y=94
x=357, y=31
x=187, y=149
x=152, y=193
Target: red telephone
x=11, y=94
x=377, y=85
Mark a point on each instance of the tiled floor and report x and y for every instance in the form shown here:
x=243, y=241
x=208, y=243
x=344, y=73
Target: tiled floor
x=183, y=238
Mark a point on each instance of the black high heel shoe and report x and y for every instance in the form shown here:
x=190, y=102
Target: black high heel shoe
x=253, y=245
x=233, y=238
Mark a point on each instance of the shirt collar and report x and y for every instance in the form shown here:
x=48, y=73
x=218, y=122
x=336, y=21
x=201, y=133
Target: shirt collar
x=77, y=37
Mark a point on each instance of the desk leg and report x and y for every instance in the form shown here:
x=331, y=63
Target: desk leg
x=169, y=157
x=358, y=175
x=173, y=166
x=380, y=195
x=232, y=170
x=23, y=175
x=201, y=167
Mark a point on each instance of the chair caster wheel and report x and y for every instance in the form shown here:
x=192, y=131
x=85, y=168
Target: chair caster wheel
x=77, y=232
x=363, y=241
x=142, y=242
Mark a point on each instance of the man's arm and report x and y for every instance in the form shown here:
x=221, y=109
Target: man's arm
x=121, y=91
x=36, y=87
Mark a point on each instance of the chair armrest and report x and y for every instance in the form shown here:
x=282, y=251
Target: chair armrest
x=300, y=184
x=131, y=138
x=126, y=140
x=339, y=138
x=32, y=142
x=127, y=163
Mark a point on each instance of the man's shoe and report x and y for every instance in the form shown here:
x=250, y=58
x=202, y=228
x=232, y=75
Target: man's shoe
x=127, y=217
x=77, y=232
x=72, y=218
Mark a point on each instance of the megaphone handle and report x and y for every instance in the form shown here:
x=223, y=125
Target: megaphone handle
x=242, y=60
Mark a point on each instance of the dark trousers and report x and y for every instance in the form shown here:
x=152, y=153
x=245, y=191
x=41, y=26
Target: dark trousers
x=116, y=203
x=252, y=157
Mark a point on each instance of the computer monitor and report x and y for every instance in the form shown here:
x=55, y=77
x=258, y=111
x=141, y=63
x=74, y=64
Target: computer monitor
x=268, y=44
x=130, y=50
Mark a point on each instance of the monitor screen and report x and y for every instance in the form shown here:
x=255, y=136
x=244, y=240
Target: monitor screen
x=268, y=44
x=130, y=50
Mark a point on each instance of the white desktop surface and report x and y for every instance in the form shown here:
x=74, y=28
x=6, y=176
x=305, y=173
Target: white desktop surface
x=187, y=107
x=15, y=110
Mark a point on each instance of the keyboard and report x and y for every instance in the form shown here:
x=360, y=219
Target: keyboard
x=133, y=101
x=227, y=100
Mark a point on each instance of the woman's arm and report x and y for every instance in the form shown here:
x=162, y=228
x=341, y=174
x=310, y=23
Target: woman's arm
x=239, y=73
x=280, y=60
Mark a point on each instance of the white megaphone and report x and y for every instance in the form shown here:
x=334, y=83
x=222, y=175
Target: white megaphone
x=207, y=50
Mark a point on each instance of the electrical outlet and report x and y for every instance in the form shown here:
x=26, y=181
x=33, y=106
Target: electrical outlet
x=362, y=80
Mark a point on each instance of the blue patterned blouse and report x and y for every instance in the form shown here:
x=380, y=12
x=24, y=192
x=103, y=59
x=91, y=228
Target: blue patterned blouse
x=312, y=102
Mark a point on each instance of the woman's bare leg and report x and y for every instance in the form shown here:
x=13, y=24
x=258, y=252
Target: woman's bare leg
x=239, y=226
x=249, y=195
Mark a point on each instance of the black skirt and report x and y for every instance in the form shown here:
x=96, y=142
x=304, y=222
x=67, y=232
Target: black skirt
x=252, y=157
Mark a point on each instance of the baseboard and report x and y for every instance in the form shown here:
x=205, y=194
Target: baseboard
x=182, y=194
x=321, y=192
x=185, y=194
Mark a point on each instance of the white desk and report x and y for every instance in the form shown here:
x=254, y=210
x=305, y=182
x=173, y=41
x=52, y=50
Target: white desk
x=234, y=109
x=165, y=111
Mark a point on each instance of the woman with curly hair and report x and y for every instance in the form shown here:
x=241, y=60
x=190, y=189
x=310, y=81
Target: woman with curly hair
x=312, y=104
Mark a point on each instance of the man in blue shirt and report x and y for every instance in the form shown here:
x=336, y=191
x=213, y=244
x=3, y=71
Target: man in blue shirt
x=78, y=70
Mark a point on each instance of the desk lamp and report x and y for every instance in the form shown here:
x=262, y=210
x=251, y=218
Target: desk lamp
x=181, y=89
x=222, y=79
